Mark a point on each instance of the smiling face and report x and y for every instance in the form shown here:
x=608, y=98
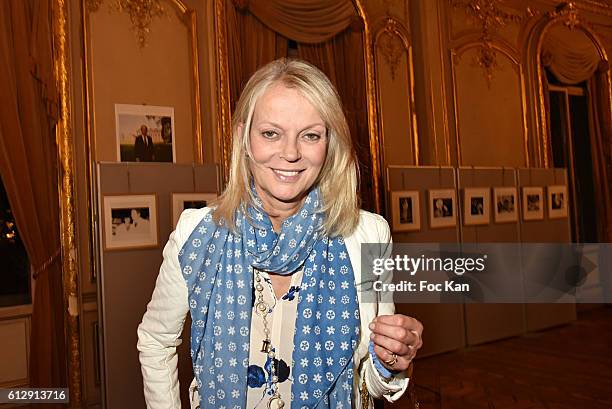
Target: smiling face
x=288, y=141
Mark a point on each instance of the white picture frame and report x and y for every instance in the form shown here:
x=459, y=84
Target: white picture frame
x=406, y=210
x=159, y=123
x=557, y=201
x=476, y=206
x=533, y=203
x=130, y=221
x=505, y=205
x=442, y=208
x=182, y=201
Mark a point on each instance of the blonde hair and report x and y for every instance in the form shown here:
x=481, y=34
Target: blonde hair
x=337, y=180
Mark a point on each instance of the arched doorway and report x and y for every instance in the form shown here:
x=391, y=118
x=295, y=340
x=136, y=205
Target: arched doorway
x=569, y=73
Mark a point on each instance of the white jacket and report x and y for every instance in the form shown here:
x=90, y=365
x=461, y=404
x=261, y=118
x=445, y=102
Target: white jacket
x=162, y=324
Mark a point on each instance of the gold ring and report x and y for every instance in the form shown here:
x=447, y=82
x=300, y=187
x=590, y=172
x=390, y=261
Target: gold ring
x=393, y=360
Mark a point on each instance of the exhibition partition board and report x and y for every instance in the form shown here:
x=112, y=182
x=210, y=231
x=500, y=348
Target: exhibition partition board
x=127, y=276
x=489, y=322
x=444, y=323
x=546, y=230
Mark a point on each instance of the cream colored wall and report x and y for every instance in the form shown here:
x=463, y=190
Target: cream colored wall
x=489, y=120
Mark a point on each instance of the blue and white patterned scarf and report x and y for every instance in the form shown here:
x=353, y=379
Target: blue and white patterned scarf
x=217, y=266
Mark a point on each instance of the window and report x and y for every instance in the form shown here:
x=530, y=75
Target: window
x=14, y=262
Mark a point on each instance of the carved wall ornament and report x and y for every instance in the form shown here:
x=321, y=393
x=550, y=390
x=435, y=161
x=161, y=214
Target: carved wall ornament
x=142, y=13
x=489, y=16
x=568, y=13
x=93, y=5
x=486, y=58
x=391, y=46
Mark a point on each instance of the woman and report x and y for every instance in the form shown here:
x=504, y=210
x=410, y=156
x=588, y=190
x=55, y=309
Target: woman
x=271, y=274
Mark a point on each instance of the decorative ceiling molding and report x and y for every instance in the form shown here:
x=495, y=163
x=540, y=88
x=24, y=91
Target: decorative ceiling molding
x=142, y=13
x=489, y=17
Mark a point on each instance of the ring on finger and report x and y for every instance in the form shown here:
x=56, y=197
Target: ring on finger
x=393, y=360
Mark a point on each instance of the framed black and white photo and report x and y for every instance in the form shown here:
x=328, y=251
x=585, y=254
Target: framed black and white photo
x=182, y=201
x=505, y=204
x=130, y=222
x=144, y=133
x=442, y=208
x=405, y=209
x=476, y=205
x=557, y=201
x=533, y=203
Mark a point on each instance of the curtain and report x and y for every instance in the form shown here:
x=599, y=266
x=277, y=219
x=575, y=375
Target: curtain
x=305, y=21
x=342, y=60
x=251, y=44
x=570, y=55
x=601, y=148
x=28, y=166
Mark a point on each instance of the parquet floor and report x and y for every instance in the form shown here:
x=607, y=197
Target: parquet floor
x=568, y=367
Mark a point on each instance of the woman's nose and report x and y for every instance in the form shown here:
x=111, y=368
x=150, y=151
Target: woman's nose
x=290, y=150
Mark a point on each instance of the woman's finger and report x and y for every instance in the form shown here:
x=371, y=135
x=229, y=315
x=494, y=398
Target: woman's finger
x=401, y=320
x=401, y=334
x=390, y=344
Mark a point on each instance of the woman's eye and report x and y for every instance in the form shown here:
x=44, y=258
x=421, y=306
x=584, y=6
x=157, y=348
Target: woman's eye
x=312, y=136
x=269, y=134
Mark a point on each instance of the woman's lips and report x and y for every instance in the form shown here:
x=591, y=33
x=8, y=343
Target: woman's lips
x=287, y=175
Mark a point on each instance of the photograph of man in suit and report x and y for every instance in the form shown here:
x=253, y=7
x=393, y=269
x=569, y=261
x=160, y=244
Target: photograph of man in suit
x=143, y=146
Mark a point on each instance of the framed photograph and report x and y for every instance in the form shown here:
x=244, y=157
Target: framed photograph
x=505, y=204
x=130, y=222
x=476, y=206
x=182, y=201
x=144, y=133
x=533, y=203
x=405, y=210
x=557, y=201
x=442, y=208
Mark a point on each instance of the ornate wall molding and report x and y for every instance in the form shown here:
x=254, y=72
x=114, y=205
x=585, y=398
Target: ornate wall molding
x=142, y=13
x=391, y=44
x=489, y=17
x=66, y=189
x=393, y=40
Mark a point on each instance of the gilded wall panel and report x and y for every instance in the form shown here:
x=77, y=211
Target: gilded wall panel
x=489, y=116
x=395, y=94
x=395, y=113
x=158, y=74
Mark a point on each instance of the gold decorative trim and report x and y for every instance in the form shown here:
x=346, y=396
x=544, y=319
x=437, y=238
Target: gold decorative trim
x=445, y=120
x=375, y=152
x=66, y=191
x=224, y=122
x=392, y=30
x=489, y=16
x=142, y=13
x=569, y=15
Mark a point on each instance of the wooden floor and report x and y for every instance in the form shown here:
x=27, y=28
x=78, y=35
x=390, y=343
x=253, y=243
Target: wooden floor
x=568, y=367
